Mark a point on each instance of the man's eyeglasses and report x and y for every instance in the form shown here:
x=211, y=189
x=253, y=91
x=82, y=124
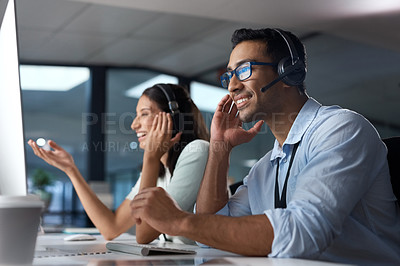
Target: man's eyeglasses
x=242, y=72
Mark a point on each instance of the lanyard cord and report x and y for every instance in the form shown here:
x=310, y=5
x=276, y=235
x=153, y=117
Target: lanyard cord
x=281, y=202
x=166, y=239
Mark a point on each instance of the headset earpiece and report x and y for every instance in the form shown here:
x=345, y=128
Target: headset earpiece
x=292, y=69
x=177, y=119
x=293, y=74
x=177, y=116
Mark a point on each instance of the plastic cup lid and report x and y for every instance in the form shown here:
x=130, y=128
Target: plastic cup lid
x=30, y=201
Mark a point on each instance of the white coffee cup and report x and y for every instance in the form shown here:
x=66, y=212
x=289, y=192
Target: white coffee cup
x=19, y=221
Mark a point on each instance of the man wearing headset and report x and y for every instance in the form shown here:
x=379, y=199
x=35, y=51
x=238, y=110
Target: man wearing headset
x=322, y=192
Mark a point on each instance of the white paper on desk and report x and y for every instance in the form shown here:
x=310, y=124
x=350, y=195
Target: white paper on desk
x=81, y=230
x=148, y=249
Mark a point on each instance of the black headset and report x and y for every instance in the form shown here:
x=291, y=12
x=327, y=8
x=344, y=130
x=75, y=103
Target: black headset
x=291, y=70
x=173, y=105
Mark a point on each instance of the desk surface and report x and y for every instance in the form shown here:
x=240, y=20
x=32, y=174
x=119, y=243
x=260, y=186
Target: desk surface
x=51, y=249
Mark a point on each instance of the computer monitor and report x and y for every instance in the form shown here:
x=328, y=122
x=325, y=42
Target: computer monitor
x=12, y=143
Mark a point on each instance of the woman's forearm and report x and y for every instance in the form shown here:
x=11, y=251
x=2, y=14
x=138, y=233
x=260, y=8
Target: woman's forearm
x=109, y=224
x=150, y=171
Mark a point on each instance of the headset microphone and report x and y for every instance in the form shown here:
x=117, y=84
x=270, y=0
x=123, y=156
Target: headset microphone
x=272, y=83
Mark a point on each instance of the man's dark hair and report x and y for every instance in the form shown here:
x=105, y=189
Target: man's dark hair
x=276, y=46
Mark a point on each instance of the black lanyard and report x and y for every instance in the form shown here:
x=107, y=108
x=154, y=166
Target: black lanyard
x=281, y=202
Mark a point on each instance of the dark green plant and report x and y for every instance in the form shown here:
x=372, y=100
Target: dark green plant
x=42, y=179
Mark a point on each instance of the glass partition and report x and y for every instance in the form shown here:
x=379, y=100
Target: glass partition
x=53, y=100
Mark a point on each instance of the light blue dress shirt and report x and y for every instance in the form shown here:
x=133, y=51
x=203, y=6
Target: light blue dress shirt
x=340, y=204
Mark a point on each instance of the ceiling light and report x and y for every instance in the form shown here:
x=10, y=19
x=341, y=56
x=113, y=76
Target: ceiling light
x=206, y=97
x=136, y=91
x=52, y=78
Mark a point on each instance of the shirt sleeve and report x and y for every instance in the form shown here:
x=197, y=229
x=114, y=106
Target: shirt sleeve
x=188, y=173
x=341, y=164
x=134, y=190
x=238, y=204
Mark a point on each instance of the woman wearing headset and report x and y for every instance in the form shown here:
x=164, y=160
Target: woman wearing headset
x=175, y=163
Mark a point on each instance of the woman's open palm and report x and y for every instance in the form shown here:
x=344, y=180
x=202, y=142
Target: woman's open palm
x=56, y=157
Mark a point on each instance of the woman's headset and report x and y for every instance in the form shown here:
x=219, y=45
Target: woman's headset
x=177, y=116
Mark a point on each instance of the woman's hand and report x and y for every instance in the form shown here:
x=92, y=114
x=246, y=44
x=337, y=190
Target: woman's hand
x=159, y=140
x=56, y=157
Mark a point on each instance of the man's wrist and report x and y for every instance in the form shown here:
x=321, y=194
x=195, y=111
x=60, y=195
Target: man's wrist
x=186, y=225
x=220, y=147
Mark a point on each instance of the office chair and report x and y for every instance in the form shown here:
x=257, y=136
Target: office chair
x=235, y=186
x=393, y=157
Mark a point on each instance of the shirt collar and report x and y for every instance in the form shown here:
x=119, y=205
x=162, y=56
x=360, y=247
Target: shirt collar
x=303, y=120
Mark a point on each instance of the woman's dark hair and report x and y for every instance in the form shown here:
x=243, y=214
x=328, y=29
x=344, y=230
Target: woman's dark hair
x=193, y=124
x=277, y=48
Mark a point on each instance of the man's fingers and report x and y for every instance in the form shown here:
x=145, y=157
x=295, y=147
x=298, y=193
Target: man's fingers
x=145, y=192
x=233, y=109
x=227, y=105
x=135, y=213
x=221, y=103
x=256, y=128
x=139, y=204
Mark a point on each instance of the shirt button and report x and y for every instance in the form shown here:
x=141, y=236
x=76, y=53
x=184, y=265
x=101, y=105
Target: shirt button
x=284, y=160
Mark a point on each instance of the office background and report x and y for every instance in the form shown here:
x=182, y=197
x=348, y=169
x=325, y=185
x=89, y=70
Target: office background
x=84, y=63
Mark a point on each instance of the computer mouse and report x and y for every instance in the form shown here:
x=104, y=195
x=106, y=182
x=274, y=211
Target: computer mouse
x=79, y=237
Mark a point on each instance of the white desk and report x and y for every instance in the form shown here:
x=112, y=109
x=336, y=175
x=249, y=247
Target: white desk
x=51, y=249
